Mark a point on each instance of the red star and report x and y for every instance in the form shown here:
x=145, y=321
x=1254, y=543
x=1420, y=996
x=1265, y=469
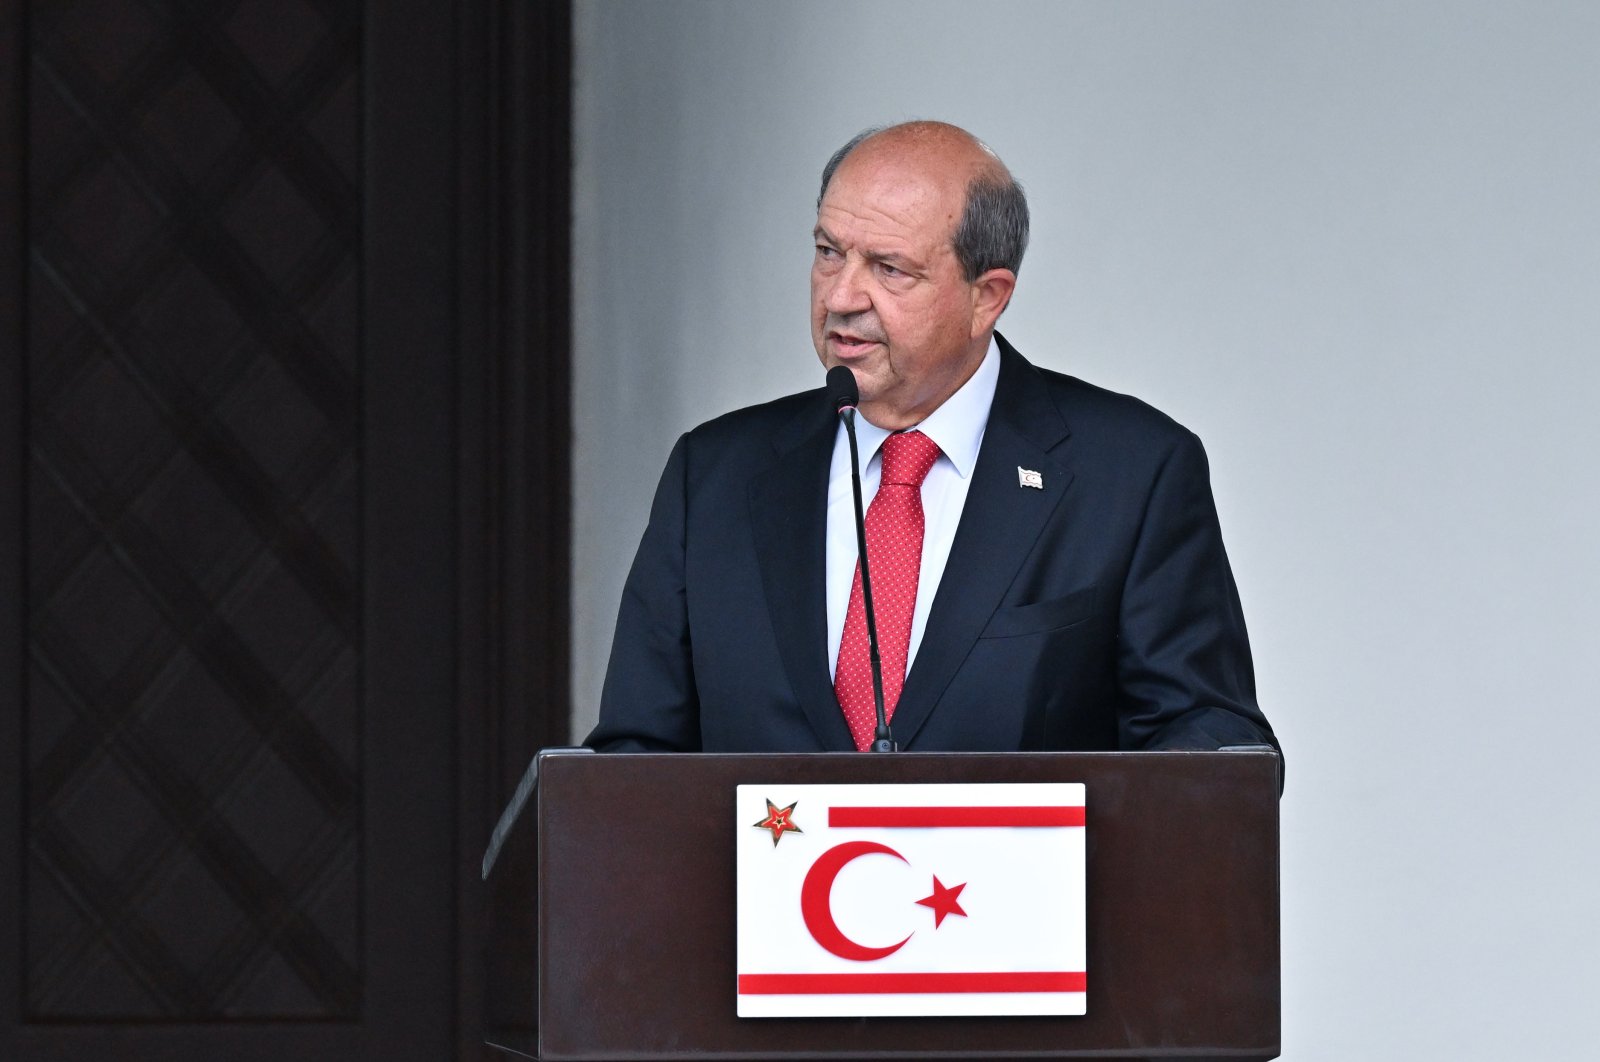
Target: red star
x=943, y=901
x=779, y=821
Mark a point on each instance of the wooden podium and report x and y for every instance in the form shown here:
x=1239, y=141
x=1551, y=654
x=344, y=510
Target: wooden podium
x=612, y=899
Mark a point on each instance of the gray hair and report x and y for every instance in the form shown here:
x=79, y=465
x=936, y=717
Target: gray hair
x=993, y=231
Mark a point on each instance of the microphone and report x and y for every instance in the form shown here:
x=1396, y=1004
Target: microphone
x=845, y=395
x=842, y=389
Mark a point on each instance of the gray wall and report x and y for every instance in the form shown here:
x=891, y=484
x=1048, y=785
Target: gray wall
x=1356, y=246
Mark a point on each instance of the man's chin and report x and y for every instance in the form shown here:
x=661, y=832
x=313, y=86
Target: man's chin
x=831, y=360
x=867, y=382
x=884, y=415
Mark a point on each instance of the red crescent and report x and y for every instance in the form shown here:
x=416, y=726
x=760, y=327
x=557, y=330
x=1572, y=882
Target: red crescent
x=816, y=897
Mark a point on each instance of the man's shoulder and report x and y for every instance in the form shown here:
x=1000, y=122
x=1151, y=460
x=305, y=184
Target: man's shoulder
x=745, y=441
x=766, y=420
x=1085, y=404
x=1091, y=410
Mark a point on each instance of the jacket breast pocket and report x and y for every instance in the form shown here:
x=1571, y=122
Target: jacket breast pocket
x=1041, y=616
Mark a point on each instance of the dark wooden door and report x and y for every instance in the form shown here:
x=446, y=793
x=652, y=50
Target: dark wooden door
x=283, y=450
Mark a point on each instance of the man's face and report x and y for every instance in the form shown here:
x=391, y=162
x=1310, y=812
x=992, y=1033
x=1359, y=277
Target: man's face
x=888, y=298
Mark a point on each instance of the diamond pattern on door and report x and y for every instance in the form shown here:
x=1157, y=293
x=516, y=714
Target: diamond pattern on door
x=193, y=783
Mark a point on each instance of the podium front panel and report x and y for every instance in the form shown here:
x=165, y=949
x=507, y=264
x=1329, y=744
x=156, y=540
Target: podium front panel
x=636, y=921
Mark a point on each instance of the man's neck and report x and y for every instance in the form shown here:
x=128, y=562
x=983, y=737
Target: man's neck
x=892, y=420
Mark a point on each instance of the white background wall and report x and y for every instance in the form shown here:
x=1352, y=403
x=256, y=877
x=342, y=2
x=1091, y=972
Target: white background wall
x=1356, y=246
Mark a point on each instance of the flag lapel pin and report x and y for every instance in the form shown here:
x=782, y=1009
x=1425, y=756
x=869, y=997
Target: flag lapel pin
x=1027, y=477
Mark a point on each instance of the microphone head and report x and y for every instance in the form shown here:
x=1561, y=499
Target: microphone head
x=842, y=389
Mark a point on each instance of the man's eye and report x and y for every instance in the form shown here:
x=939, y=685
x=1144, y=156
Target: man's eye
x=824, y=251
x=889, y=270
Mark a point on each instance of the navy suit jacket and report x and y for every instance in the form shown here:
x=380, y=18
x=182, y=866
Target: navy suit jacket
x=1097, y=613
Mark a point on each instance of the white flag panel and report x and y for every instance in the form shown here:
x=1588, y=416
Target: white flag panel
x=858, y=900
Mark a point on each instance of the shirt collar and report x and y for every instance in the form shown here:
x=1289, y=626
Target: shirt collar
x=958, y=424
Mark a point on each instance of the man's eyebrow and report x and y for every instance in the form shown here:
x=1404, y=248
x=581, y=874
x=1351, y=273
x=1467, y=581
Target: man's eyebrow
x=894, y=258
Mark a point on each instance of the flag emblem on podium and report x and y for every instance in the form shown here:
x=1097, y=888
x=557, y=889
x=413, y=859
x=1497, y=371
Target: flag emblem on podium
x=911, y=900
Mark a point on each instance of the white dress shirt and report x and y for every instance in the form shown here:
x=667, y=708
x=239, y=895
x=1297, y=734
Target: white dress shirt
x=957, y=427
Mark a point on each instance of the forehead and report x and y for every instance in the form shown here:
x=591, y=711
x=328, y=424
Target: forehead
x=890, y=197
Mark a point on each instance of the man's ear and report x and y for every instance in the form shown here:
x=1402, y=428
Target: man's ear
x=991, y=293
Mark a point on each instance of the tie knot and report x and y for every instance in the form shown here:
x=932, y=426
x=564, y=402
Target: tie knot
x=907, y=457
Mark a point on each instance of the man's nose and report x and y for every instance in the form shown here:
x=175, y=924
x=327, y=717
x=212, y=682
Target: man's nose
x=848, y=292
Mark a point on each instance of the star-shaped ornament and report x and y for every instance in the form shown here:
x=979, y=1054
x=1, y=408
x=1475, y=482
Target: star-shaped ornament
x=780, y=821
x=943, y=901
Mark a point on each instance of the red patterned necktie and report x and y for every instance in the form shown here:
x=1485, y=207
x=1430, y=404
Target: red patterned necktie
x=894, y=552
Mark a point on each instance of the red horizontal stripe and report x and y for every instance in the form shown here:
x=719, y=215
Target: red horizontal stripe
x=855, y=984
x=964, y=816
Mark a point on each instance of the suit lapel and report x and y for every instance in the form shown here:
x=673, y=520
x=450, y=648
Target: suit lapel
x=1000, y=522
x=788, y=511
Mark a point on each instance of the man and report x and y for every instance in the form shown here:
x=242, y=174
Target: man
x=1046, y=559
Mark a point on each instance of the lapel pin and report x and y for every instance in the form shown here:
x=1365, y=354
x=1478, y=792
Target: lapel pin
x=1027, y=477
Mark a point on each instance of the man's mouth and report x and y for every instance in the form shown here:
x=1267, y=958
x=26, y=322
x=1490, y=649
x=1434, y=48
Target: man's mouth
x=847, y=343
